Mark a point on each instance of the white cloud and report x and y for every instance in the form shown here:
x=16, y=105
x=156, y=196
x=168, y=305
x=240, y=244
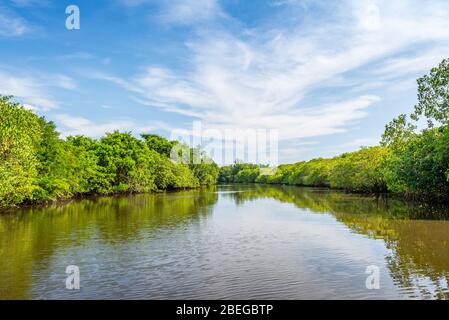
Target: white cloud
x=242, y=85
x=180, y=12
x=12, y=26
x=417, y=63
x=268, y=77
x=63, y=81
x=74, y=125
x=28, y=89
x=27, y=3
x=189, y=11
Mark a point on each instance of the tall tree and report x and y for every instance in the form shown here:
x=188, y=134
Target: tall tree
x=159, y=144
x=433, y=96
x=20, y=135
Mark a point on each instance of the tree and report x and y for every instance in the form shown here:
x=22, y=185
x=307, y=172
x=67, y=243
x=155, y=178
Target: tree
x=159, y=144
x=418, y=163
x=203, y=167
x=248, y=175
x=433, y=96
x=398, y=132
x=54, y=178
x=86, y=173
x=360, y=171
x=421, y=166
x=127, y=163
x=20, y=135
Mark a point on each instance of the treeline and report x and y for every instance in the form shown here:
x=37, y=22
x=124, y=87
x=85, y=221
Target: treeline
x=36, y=165
x=357, y=171
x=408, y=161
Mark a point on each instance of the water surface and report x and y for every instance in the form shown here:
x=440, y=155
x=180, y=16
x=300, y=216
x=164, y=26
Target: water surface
x=227, y=242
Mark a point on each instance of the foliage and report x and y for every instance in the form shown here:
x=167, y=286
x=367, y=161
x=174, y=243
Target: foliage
x=38, y=166
x=314, y=173
x=360, y=171
x=418, y=163
x=203, y=167
x=433, y=96
x=20, y=134
x=422, y=165
x=127, y=162
x=229, y=174
x=159, y=144
x=248, y=175
x=398, y=132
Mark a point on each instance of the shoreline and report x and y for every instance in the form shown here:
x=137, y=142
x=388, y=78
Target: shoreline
x=62, y=202
x=411, y=199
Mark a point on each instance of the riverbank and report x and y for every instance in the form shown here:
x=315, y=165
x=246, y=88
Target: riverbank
x=93, y=196
x=414, y=199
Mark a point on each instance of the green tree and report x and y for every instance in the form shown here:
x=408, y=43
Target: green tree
x=248, y=175
x=127, y=163
x=433, y=96
x=55, y=162
x=418, y=163
x=421, y=166
x=398, y=132
x=159, y=144
x=203, y=167
x=86, y=174
x=361, y=171
x=20, y=135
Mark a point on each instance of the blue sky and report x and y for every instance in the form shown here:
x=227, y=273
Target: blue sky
x=327, y=75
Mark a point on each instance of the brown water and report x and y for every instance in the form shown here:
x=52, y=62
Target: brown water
x=226, y=242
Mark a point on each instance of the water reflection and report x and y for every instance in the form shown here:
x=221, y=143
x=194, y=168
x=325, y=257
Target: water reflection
x=30, y=237
x=227, y=242
x=417, y=234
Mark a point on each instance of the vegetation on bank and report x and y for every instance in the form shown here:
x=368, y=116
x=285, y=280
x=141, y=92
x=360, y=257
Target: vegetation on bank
x=408, y=161
x=36, y=165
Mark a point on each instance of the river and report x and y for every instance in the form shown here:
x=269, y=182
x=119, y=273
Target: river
x=227, y=242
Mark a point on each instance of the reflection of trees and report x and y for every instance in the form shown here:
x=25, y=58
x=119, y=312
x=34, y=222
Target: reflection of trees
x=29, y=237
x=419, y=244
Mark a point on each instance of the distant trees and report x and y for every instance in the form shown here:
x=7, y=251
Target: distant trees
x=359, y=171
x=239, y=173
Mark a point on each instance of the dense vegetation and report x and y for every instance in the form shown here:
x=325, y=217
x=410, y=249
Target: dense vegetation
x=356, y=171
x=36, y=165
x=408, y=161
